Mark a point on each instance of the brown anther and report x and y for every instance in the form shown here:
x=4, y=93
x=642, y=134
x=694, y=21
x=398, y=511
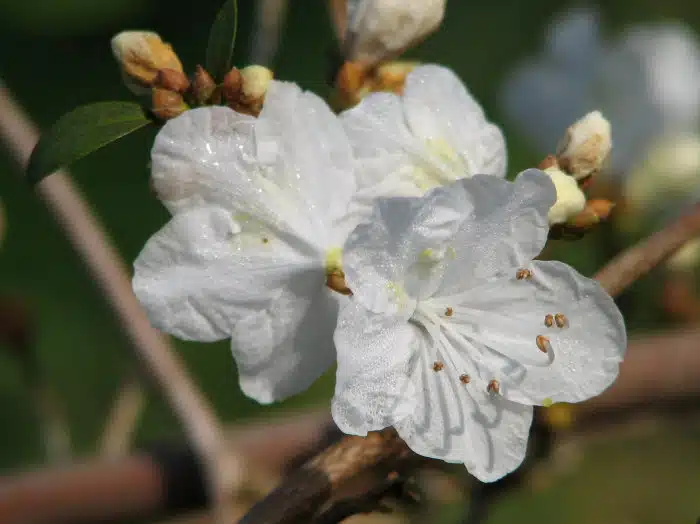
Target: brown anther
x=523, y=274
x=438, y=366
x=543, y=343
x=336, y=281
x=493, y=387
x=465, y=379
x=561, y=320
x=449, y=311
x=549, y=320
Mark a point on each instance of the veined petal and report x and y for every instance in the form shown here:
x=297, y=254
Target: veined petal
x=507, y=227
x=375, y=358
x=441, y=111
x=395, y=257
x=281, y=350
x=555, y=337
x=290, y=169
x=457, y=422
x=202, y=272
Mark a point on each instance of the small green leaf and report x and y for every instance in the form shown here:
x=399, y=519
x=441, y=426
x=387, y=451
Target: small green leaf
x=82, y=131
x=222, y=39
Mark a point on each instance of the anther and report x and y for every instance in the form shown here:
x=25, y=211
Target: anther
x=493, y=387
x=438, y=366
x=523, y=274
x=543, y=343
x=449, y=311
x=549, y=320
x=265, y=240
x=561, y=320
x=464, y=378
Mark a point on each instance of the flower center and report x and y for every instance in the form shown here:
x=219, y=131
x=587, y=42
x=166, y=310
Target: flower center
x=444, y=165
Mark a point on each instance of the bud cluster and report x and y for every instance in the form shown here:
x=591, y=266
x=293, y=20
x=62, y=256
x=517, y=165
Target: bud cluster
x=151, y=66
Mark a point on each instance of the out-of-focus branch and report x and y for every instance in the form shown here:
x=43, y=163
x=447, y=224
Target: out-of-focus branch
x=162, y=364
x=269, y=19
x=123, y=418
x=637, y=261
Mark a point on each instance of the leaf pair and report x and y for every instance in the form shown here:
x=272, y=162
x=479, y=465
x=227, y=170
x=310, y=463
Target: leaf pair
x=91, y=127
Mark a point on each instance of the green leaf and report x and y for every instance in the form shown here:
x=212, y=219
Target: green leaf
x=222, y=40
x=82, y=131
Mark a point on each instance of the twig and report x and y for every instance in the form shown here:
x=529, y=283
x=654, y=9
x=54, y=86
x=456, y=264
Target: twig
x=104, y=263
x=123, y=418
x=637, y=261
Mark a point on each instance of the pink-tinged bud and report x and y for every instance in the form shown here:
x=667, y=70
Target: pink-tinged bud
x=172, y=80
x=232, y=86
x=203, y=85
x=167, y=104
x=585, y=146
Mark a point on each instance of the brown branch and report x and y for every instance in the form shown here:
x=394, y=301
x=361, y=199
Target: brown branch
x=104, y=263
x=634, y=263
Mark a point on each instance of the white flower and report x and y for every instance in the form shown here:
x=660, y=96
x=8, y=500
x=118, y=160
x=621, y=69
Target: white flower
x=433, y=134
x=381, y=29
x=453, y=332
x=257, y=208
x=645, y=82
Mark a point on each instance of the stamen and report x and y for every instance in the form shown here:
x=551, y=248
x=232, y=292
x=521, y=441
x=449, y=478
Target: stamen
x=493, y=387
x=561, y=320
x=449, y=311
x=438, y=366
x=543, y=344
x=465, y=379
x=549, y=320
x=265, y=240
x=523, y=274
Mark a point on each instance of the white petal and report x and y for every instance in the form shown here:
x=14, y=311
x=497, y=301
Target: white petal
x=375, y=358
x=507, y=227
x=281, y=350
x=439, y=108
x=390, y=259
x=290, y=169
x=459, y=422
x=200, y=273
x=498, y=325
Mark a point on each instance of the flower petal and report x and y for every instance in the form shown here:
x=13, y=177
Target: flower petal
x=457, y=422
x=375, y=357
x=201, y=273
x=499, y=325
x=281, y=350
x=439, y=109
x=391, y=259
x=507, y=227
x=290, y=169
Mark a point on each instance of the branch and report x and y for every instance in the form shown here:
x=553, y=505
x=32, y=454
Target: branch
x=104, y=263
x=637, y=261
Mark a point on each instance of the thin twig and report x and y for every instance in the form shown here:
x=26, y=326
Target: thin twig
x=637, y=261
x=123, y=418
x=89, y=240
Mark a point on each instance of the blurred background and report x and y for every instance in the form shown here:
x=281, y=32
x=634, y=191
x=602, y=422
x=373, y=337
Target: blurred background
x=55, y=55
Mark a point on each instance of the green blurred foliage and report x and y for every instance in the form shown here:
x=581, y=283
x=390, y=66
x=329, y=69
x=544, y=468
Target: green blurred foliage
x=55, y=55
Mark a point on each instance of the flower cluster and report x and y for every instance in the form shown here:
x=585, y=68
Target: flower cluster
x=385, y=239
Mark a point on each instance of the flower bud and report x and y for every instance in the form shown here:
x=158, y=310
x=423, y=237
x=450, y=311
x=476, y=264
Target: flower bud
x=203, y=85
x=141, y=54
x=585, y=146
x=570, y=198
x=172, y=80
x=167, y=104
x=256, y=80
x=378, y=30
x=232, y=86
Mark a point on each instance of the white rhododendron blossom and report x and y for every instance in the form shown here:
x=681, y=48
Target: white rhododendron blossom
x=453, y=332
x=431, y=135
x=257, y=227
x=645, y=82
